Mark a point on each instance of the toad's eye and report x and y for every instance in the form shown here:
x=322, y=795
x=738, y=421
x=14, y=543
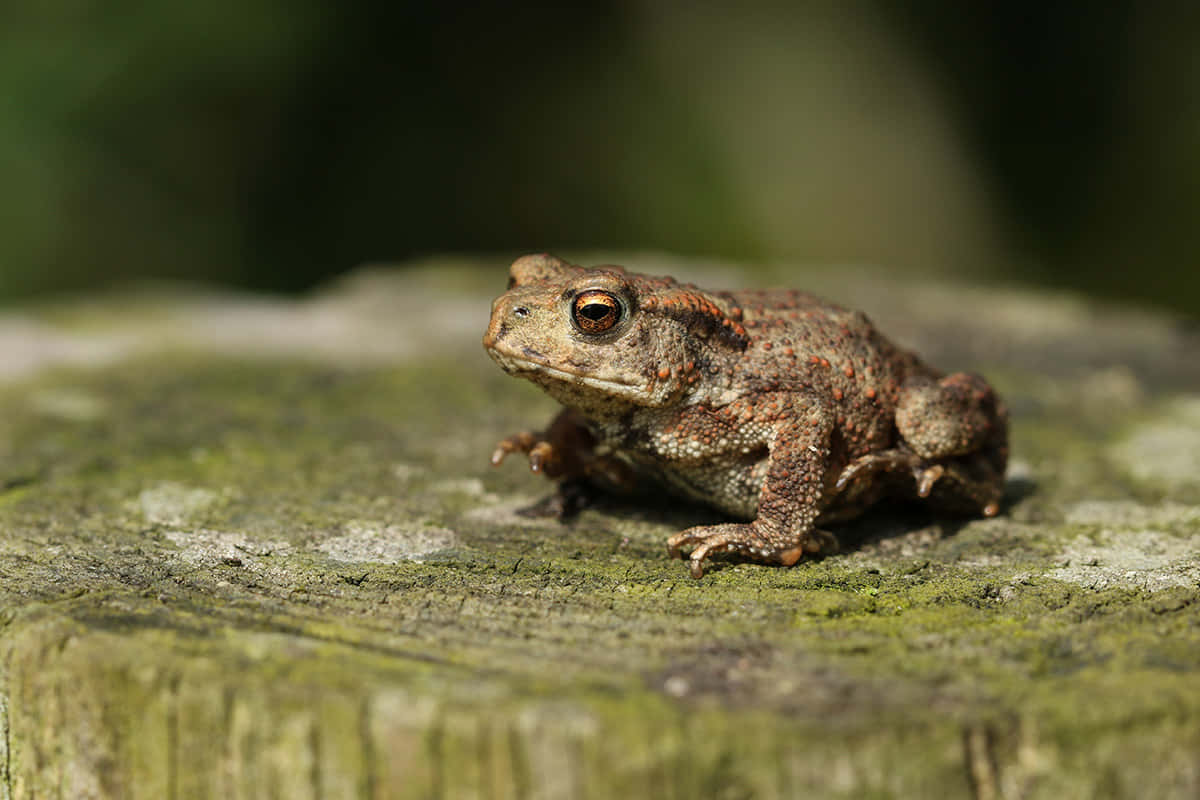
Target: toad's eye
x=596, y=311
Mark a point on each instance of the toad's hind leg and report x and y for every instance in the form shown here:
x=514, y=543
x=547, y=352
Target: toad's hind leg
x=951, y=416
x=954, y=433
x=968, y=484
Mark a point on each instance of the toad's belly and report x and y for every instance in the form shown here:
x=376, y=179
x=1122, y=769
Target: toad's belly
x=731, y=484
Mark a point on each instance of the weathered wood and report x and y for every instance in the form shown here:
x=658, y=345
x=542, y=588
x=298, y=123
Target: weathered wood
x=253, y=548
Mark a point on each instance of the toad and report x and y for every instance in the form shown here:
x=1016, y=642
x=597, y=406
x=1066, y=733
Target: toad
x=776, y=407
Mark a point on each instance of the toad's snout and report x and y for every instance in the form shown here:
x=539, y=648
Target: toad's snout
x=506, y=312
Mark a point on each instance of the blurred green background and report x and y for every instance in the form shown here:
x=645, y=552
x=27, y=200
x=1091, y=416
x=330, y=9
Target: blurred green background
x=275, y=143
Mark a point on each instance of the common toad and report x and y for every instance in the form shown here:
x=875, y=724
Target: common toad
x=773, y=406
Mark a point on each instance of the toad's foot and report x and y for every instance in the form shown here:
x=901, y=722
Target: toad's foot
x=565, y=461
x=890, y=461
x=542, y=455
x=969, y=483
x=747, y=540
x=566, y=451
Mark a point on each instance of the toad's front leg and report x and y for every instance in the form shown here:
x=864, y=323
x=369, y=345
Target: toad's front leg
x=566, y=453
x=789, y=502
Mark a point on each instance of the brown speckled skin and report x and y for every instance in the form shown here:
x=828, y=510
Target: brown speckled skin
x=773, y=406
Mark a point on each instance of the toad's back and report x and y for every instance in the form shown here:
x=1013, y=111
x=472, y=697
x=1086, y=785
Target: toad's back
x=799, y=337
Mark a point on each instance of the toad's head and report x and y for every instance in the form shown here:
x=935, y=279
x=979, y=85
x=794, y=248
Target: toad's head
x=603, y=339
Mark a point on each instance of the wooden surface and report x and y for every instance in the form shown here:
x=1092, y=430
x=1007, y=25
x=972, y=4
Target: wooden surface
x=253, y=548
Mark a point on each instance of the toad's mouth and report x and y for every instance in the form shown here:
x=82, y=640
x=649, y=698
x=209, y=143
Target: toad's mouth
x=527, y=367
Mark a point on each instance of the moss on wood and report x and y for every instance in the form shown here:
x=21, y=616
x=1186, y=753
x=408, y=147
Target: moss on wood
x=246, y=565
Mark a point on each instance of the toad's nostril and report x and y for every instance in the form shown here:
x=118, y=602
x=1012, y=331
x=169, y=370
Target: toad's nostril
x=521, y=311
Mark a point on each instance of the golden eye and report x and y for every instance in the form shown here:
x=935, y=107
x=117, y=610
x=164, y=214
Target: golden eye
x=596, y=311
